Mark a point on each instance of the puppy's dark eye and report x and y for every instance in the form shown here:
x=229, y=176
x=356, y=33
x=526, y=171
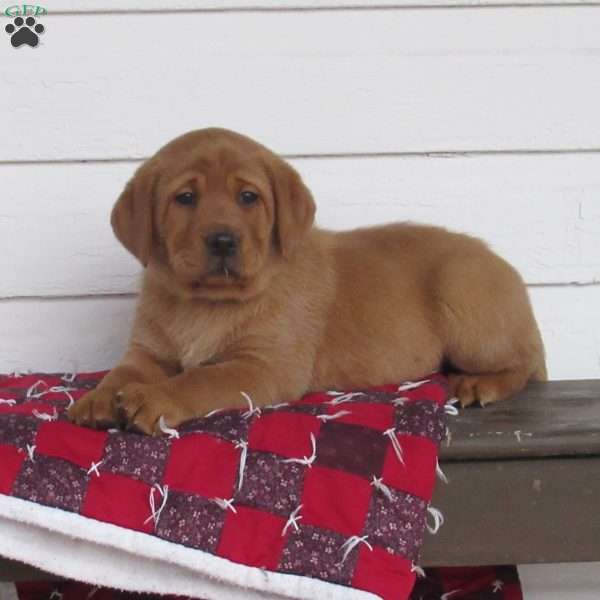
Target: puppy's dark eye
x=247, y=197
x=186, y=199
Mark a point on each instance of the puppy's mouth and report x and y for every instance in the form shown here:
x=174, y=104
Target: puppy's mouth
x=224, y=270
x=219, y=275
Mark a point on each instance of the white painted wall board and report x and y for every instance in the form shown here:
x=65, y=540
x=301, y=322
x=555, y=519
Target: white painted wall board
x=569, y=319
x=539, y=212
x=91, y=333
x=576, y=581
x=78, y=6
x=65, y=334
x=392, y=81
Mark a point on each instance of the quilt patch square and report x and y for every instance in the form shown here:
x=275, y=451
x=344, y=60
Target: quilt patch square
x=51, y=481
x=396, y=522
x=138, y=456
x=62, y=439
x=192, y=521
x=352, y=448
x=271, y=484
x=119, y=500
x=252, y=537
x=317, y=553
x=335, y=500
x=422, y=418
x=383, y=573
x=18, y=430
x=415, y=471
x=287, y=434
x=202, y=464
x=11, y=460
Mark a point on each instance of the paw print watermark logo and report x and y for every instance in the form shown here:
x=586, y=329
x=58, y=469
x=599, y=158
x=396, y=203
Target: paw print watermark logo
x=24, y=32
x=24, y=29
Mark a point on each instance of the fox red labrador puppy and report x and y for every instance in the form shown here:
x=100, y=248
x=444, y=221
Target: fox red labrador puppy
x=241, y=294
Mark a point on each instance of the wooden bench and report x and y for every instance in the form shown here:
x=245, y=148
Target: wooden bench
x=524, y=483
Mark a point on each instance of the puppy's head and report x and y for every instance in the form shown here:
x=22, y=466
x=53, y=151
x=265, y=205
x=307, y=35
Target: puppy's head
x=215, y=212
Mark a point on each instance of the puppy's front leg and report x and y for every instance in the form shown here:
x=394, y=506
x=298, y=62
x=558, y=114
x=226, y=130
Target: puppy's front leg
x=99, y=407
x=199, y=390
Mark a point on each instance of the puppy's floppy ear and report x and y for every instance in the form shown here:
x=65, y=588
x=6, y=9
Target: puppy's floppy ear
x=294, y=207
x=131, y=217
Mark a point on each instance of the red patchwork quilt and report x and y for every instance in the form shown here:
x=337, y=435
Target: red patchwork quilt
x=334, y=488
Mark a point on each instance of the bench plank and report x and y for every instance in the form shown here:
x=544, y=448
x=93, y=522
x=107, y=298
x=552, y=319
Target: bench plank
x=555, y=418
x=517, y=512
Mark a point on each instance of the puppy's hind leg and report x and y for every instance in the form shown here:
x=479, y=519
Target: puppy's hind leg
x=486, y=388
x=491, y=337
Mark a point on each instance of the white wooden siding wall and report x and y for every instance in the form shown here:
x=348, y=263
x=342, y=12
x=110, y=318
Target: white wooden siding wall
x=481, y=115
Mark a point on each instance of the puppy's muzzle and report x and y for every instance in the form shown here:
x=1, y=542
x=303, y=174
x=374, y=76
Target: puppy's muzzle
x=222, y=244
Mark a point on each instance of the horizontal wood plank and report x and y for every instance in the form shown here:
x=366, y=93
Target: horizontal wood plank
x=91, y=333
x=74, y=6
x=517, y=511
x=307, y=82
x=556, y=418
x=64, y=335
x=539, y=212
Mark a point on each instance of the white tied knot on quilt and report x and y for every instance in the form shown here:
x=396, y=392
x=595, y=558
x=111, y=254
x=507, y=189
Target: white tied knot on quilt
x=307, y=460
x=169, y=431
x=449, y=595
x=293, y=520
x=9, y=401
x=243, y=446
x=225, y=504
x=391, y=433
x=400, y=401
x=351, y=543
x=213, y=412
x=252, y=410
x=19, y=373
x=45, y=416
x=155, y=512
x=337, y=415
x=377, y=483
x=94, y=468
x=449, y=407
x=341, y=397
x=411, y=385
x=31, y=451
x=34, y=392
x=438, y=520
x=438, y=471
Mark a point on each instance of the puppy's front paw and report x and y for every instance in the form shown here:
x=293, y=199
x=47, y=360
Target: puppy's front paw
x=96, y=409
x=140, y=407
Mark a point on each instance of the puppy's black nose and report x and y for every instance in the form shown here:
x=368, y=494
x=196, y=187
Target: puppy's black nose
x=221, y=243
